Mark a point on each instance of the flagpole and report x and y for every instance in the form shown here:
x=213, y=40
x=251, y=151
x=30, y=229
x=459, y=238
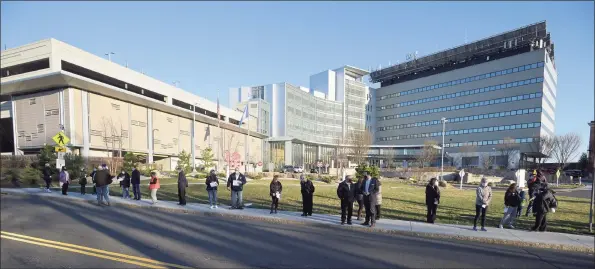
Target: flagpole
x=248, y=139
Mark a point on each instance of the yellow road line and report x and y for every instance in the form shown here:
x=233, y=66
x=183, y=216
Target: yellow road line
x=82, y=252
x=56, y=244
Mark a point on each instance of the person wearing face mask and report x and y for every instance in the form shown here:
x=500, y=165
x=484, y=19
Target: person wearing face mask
x=182, y=185
x=275, y=192
x=307, y=189
x=124, y=178
x=346, y=192
x=482, y=201
x=47, y=177
x=370, y=188
x=236, y=182
x=83, y=181
x=135, y=180
x=511, y=204
x=544, y=202
x=432, y=199
x=212, y=182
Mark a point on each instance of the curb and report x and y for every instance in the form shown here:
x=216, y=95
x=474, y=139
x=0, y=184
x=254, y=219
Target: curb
x=326, y=225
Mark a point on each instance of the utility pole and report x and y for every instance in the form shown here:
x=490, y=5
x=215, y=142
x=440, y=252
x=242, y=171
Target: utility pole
x=444, y=120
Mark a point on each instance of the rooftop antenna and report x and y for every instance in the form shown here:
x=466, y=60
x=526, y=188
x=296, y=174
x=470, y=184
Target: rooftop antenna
x=4, y=46
x=176, y=83
x=126, y=64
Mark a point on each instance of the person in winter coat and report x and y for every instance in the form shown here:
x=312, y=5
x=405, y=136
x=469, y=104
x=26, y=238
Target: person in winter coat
x=154, y=186
x=64, y=180
x=378, y=200
x=482, y=202
x=307, y=189
x=135, y=181
x=125, y=184
x=359, y=197
x=47, y=177
x=212, y=182
x=182, y=185
x=236, y=182
x=275, y=192
x=83, y=181
x=92, y=175
x=544, y=202
x=102, y=180
x=535, y=184
x=347, y=192
x=511, y=203
x=522, y=195
x=432, y=199
x=370, y=187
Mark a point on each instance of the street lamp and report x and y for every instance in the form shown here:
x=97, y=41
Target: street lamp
x=444, y=120
x=194, y=138
x=109, y=55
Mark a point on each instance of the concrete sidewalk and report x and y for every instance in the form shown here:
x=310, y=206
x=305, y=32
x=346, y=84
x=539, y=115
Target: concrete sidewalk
x=583, y=243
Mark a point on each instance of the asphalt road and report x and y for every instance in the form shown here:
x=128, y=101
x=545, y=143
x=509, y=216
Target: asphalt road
x=220, y=242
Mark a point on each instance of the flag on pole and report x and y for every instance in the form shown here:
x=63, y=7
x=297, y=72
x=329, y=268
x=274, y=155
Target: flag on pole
x=244, y=116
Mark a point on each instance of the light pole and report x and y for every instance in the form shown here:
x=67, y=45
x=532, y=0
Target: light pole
x=444, y=120
x=153, y=142
x=591, y=206
x=109, y=55
x=194, y=138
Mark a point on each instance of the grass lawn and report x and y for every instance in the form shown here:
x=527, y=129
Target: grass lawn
x=400, y=201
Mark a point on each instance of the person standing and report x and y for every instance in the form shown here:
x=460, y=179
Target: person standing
x=153, y=187
x=432, y=199
x=483, y=198
x=535, y=184
x=275, y=191
x=359, y=197
x=545, y=201
x=236, y=182
x=182, y=185
x=212, y=183
x=64, y=180
x=347, y=192
x=125, y=184
x=522, y=195
x=135, y=180
x=47, y=177
x=92, y=175
x=370, y=189
x=83, y=181
x=102, y=180
x=307, y=189
x=378, y=200
x=511, y=204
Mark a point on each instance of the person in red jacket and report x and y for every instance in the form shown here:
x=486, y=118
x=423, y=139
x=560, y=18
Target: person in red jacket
x=154, y=186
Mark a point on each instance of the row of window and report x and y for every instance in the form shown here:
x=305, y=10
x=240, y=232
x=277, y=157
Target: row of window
x=463, y=106
x=464, y=80
x=464, y=131
x=489, y=142
x=465, y=93
x=460, y=119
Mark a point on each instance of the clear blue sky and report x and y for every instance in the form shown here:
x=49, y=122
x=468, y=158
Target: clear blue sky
x=210, y=46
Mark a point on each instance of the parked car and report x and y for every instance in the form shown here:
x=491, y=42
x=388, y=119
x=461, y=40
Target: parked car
x=313, y=171
x=298, y=169
x=574, y=173
x=287, y=168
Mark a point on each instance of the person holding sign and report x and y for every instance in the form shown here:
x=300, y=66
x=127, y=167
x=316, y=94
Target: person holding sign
x=236, y=182
x=275, y=192
x=482, y=201
x=212, y=183
x=432, y=199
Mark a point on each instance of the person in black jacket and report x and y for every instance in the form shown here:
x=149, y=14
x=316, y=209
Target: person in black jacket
x=534, y=185
x=370, y=189
x=511, y=204
x=307, y=188
x=347, y=193
x=545, y=201
x=124, y=178
x=92, y=175
x=212, y=182
x=275, y=191
x=102, y=181
x=236, y=182
x=135, y=180
x=182, y=185
x=47, y=177
x=432, y=199
x=83, y=181
x=359, y=197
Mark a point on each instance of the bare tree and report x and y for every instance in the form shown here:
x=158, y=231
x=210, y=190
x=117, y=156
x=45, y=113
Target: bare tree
x=340, y=152
x=466, y=152
x=112, y=135
x=361, y=141
x=509, y=149
x=486, y=160
x=544, y=145
x=566, y=148
x=428, y=153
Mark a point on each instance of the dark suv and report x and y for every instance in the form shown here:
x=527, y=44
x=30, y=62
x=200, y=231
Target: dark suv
x=287, y=168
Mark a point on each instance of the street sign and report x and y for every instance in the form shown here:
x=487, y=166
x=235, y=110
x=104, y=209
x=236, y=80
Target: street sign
x=558, y=177
x=462, y=174
x=60, y=149
x=60, y=163
x=558, y=174
x=259, y=163
x=61, y=139
x=61, y=155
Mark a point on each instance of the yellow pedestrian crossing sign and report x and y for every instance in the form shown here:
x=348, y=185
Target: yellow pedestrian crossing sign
x=558, y=173
x=61, y=139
